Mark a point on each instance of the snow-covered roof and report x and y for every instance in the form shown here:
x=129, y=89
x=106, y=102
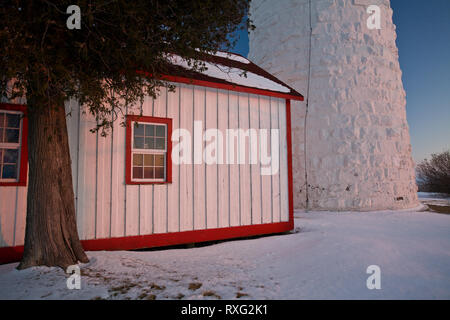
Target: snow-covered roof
x=232, y=56
x=232, y=69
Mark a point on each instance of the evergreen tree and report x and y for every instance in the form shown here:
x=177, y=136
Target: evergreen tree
x=47, y=62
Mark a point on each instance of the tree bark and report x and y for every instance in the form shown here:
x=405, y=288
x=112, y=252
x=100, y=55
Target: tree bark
x=51, y=236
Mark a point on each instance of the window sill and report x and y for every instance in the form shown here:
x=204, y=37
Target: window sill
x=147, y=182
x=13, y=184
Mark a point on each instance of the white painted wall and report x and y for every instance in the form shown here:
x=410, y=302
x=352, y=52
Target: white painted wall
x=200, y=196
x=358, y=152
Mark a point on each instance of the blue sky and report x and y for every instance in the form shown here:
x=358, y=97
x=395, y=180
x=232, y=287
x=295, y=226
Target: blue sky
x=423, y=40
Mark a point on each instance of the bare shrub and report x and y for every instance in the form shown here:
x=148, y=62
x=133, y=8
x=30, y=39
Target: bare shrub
x=434, y=175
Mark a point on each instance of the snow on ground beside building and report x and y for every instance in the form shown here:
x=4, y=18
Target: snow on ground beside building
x=436, y=202
x=326, y=257
x=431, y=196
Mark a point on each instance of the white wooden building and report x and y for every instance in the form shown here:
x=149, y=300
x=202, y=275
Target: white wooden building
x=131, y=192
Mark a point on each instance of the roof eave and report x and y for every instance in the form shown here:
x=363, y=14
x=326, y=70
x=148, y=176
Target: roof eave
x=227, y=86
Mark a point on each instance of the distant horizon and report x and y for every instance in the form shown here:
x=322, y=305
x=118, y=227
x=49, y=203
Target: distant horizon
x=424, y=54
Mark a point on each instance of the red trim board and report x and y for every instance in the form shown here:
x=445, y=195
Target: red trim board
x=225, y=86
x=13, y=254
x=289, y=156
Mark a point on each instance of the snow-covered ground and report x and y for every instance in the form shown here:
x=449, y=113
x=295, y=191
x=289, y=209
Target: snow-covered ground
x=326, y=257
x=434, y=198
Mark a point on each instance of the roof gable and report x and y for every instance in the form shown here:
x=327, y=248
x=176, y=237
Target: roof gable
x=230, y=71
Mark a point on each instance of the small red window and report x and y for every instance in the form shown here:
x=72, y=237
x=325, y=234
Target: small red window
x=13, y=145
x=149, y=149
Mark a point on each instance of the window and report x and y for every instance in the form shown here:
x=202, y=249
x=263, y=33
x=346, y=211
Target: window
x=148, y=150
x=13, y=145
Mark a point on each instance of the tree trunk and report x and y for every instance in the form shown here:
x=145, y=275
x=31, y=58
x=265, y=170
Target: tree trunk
x=51, y=236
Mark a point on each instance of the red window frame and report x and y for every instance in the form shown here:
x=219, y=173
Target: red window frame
x=23, y=165
x=128, y=162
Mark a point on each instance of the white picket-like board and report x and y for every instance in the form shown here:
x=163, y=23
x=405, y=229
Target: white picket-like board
x=255, y=168
x=8, y=198
x=274, y=109
x=173, y=191
x=186, y=170
x=284, y=194
x=20, y=218
x=87, y=177
x=118, y=188
x=235, y=192
x=199, y=165
x=72, y=109
x=266, y=180
x=212, y=170
x=132, y=210
x=73, y=122
x=146, y=192
x=224, y=169
x=244, y=169
x=132, y=214
x=103, y=186
x=160, y=190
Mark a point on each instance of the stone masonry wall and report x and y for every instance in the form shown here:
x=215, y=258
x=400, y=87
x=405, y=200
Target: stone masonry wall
x=358, y=152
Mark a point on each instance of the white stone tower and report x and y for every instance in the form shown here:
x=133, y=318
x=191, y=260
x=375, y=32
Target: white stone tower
x=353, y=151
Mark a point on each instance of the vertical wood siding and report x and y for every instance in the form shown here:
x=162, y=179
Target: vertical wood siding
x=224, y=170
x=159, y=190
x=199, y=174
x=255, y=170
x=245, y=182
x=234, y=178
x=173, y=189
x=266, y=180
x=212, y=171
x=200, y=197
x=118, y=188
x=187, y=170
x=146, y=192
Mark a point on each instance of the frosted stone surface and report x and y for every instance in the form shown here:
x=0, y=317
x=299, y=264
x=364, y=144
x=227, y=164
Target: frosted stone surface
x=358, y=152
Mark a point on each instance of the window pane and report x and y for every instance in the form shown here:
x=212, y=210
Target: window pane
x=159, y=160
x=161, y=131
x=138, y=143
x=148, y=173
x=149, y=130
x=159, y=173
x=138, y=129
x=160, y=143
x=9, y=172
x=1, y=135
x=137, y=172
x=2, y=119
x=148, y=160
x=13, y=120
x=10, y=156
x=12, y=135
x=137, y=160
x=1, y=156
x=149, y=143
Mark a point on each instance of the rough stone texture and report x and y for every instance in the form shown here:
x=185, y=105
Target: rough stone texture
x=358, y=152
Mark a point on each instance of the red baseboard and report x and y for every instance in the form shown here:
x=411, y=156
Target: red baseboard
x=14, y=254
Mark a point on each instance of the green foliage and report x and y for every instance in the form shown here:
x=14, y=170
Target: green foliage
x=42, y=58
x=434, y=175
